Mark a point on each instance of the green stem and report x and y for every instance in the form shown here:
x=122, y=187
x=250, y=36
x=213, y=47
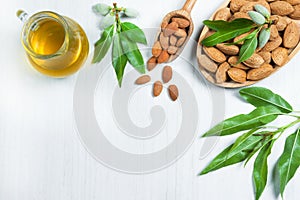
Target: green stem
x=282, y=129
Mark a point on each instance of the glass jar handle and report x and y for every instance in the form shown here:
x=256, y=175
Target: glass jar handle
x=22, y=15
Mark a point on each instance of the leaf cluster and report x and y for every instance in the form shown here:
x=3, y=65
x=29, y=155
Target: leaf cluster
x=124, y=38
x=226, y=31
x=258, y=139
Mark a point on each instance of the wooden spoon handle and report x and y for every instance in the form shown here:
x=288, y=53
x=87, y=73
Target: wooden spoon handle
x=188, y=6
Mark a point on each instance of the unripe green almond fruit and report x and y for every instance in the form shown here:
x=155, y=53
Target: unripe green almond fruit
x=262, y=10
x=264, y=37
x=101, y=9
x=130, y=12
x=257, y=17
x=107, y=21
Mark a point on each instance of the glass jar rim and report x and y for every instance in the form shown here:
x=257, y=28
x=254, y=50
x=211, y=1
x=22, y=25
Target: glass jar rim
x=31, y=22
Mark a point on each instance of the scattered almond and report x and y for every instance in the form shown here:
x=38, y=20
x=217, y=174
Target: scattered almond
x=281, y=8
x=157, y=88
x=182, y=23
x=163, y=57
x=142, y=80
x=230, y=50
x=271, y=45
x=254, y=61
x=223, y=14
x=180, y=42
x=167, y=74
x=257, y=74
x=233, y=61
x=265, y=55
x=291, y=35
x=172, y=50
x=215, y=54
x=207, y=63
x=173, y=92
x=235, y=5
x=173, y=40
x=237, y=75
x=164, y=41
x=151, y=64
x=180, y=33
x=279, y=21
x=296, y=13
x=280, y=56
x=240, y=15
x=249, y=6
x=274, y=32
x=170, y=29
x=156, y=50
x=221, y=75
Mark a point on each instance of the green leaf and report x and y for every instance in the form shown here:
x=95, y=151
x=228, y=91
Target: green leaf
x=133, y=54
x=119, y=59
x=289, y=161
x=220, y=25
x=226, y=30
x=259, y=96
x=234, y=155
x=221, y=36
x=261, y=144
x=243, y=138
x=133, y=32
x=103, y=44
x=260, y=116
x=248, y=49
x=249, y=36
x=260, y=169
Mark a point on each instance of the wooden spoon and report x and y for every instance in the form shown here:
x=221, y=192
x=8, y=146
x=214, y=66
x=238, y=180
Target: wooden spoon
x=210, y=76
x=185, y=13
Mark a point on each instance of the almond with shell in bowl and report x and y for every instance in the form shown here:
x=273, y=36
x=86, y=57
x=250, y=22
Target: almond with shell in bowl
x=256, y=38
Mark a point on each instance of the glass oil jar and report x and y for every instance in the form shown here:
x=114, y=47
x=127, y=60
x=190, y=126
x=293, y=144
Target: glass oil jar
x=56, y=45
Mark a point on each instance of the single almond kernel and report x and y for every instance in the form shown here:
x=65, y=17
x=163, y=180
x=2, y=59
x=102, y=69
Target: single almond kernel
x=151, y=64
x=157, y=88
x=215, y=54
x=163, y=57
x=221, y=75
x=230, y=50
x=170, y=29
x=143, y=79
x=205, y=62
x=281, y=8
x=260, y=73
x=172, y=50
x=265, y=55
x=280, y=56
x=164, y=41
x=156, y=50
x=291, y=35
x=182, y=23
x=237, y=75
x=167, y=74
x=180, y=42
x=173, y=40
x=233, y=61
x=223, y=14
x=180, y=33
x=173, y=92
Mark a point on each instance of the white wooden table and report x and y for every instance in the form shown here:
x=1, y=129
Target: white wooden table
x=42, y=156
